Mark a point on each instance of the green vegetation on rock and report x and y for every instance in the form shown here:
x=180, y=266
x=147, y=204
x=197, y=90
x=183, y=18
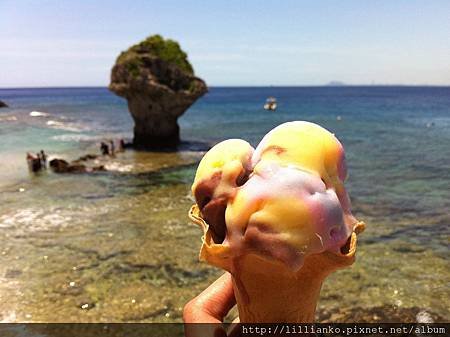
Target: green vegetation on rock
x=155, y=45
x=132, y=66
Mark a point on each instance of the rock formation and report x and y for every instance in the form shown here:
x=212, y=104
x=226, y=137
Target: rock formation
x=3, y=104
x=62, y=166
x=158, y=82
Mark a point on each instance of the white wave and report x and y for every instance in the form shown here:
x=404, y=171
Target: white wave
x=82, y=137
x=118, y=167
x=54, y=123
x=68, y=127
x=39, y=114
x=76, y=138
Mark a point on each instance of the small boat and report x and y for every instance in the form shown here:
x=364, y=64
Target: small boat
x=271, y=104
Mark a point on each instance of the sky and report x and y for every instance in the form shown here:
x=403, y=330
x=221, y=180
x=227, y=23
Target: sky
x=230, y=43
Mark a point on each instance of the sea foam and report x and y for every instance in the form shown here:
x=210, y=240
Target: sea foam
x=39, y=114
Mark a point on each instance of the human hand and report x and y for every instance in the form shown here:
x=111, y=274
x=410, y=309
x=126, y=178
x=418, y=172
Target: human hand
x=211, y=306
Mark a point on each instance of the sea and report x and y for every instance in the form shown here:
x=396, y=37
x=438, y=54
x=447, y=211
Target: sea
x=117, y=246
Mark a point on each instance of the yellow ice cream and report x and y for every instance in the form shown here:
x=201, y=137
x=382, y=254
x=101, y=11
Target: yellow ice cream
x=282, y=201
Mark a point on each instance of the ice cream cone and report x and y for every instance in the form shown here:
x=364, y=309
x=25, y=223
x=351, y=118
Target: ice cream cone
x=269, y=291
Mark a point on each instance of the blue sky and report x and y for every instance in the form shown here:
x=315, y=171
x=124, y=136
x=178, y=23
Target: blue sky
x=75, y=43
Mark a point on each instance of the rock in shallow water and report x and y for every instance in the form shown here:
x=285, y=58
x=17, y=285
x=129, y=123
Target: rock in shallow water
x=3, y=104
x=158, y=82
x=62, y=166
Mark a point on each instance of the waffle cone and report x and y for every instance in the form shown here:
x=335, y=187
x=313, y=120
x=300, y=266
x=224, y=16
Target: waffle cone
x=268, y=291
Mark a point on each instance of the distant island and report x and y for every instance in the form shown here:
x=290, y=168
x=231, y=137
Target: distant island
x=335, y=84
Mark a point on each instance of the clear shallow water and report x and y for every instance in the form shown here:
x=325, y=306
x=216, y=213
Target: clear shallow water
x=117, y=246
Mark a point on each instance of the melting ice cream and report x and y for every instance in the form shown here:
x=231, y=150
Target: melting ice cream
x=281, y=201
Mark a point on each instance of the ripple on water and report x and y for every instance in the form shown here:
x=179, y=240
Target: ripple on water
x=34, y=219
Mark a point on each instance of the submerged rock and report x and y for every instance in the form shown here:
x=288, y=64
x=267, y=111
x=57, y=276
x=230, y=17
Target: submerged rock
x=3, y=104
x=158, y=82
x=86, y=158
x=62, y=166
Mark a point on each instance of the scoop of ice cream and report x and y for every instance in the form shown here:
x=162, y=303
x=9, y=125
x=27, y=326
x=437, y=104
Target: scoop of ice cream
x=285, y=213
x=282, y=201
x=308, y=147
x=223, y=168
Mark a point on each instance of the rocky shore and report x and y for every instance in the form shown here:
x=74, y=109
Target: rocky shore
x=63, y=166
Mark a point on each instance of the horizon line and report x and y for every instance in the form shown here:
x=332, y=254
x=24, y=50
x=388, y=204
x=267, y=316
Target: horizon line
x=242, y=86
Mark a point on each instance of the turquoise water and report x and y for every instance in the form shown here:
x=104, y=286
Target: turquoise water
x=107, y=239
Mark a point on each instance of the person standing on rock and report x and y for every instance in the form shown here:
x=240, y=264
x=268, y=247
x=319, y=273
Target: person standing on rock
x=112, y=148
x=121, y=146
x=104, y=149
x=43, y=159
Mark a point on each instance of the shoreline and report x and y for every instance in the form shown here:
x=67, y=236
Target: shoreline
x=130, y=162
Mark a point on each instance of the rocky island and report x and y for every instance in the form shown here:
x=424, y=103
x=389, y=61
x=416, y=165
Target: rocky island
x=3, y=104
x=159, y=84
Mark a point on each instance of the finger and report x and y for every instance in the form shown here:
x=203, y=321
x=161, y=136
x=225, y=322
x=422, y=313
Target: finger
x=213, y=304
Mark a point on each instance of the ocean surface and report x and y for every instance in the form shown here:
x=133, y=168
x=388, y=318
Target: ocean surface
x=117, y=245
